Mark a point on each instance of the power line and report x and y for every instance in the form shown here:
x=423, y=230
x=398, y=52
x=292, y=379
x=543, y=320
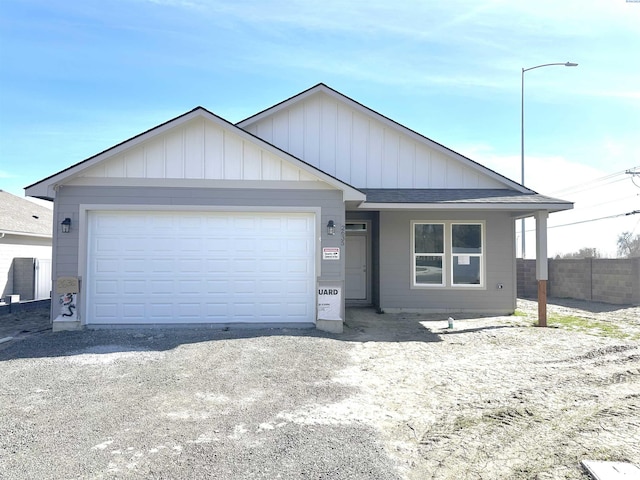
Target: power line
x=584, y=185
x=634, y=212
x=599, y=204
x=590, y=185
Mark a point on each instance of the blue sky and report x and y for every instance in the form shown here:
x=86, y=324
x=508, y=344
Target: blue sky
x=79, y=77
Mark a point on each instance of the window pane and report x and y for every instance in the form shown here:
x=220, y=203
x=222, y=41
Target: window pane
x=466, y=270
x=428, y=270
x=429, y=238
x=466, y=238
x=356, y=227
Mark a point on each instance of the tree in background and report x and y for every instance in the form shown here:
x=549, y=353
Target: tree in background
x=585, y=252
x=628, y=245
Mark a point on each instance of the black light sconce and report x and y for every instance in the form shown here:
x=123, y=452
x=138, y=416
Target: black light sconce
x=66, y=225
x=331, y=228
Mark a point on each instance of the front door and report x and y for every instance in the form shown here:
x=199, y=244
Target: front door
x=356, y=267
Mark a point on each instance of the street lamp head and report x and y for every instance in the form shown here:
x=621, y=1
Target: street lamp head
x=570, y=64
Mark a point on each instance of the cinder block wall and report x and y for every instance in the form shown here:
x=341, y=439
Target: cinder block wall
x=605, y=280
x=570, y=278
x=614, y=281
x=526, y=277
x=24, y=278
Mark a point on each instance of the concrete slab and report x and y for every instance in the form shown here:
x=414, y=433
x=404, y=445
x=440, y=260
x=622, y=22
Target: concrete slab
x=611, y=470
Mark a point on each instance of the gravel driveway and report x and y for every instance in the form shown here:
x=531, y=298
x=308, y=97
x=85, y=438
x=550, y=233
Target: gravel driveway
x=395, y=396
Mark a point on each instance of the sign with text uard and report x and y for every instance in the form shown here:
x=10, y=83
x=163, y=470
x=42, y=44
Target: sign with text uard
x=329, y=302
x=67, y=285
x=331, y=253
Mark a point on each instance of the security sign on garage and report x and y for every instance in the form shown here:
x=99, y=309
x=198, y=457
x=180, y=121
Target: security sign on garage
x=170, y=267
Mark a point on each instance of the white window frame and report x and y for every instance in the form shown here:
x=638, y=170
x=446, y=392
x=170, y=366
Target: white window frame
x=448, y=255
x=442, y=255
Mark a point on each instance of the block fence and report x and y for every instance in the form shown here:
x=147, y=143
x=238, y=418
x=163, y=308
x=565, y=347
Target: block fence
x=607, y=280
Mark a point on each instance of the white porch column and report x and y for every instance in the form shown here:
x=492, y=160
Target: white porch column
x=542, y=265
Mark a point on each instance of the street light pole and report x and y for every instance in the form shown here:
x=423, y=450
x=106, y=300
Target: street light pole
x=565, y=64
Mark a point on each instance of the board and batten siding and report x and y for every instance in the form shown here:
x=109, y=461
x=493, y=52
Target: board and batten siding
x=199, y=149
x=361, y=150
x=396, y=291
x=69, y=199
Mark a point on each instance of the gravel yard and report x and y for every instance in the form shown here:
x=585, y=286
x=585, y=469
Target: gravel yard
x=394, y=397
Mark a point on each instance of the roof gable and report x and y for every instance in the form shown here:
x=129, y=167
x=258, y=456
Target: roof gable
x=23, y=217
x=364, y=148
x=198, y=149
x=196, y=146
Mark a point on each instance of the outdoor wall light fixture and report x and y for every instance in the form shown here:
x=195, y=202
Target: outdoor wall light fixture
x=331, y=228
x=66, y=225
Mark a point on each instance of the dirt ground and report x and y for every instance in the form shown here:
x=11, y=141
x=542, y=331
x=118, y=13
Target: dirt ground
x=492, y=398
x=497, y=398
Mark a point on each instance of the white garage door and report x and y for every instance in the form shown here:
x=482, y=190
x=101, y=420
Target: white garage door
x=200, y=267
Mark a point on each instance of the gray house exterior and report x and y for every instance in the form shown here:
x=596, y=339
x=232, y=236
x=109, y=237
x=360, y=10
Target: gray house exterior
x=287, y=217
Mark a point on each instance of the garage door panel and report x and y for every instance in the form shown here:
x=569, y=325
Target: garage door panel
x=106, y=287
x=106, y=310
x=134, y=244
x=189, y=287
x=300, y=267
x=134, y=310
x=200, y=267
x=107, y=244
x=297, y=288
x=188, y=265
x=158, y=312
x=298, y=248
x=106, y=265
x=161, y=287
x=162, y=244
x=189, y=245
x=134, y=287
x=133, y=265
x=244, y=266
x=270, y=266
x=161, y=265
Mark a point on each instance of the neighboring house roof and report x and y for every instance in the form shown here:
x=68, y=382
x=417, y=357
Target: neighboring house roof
x=20, y=216
x=46, y=187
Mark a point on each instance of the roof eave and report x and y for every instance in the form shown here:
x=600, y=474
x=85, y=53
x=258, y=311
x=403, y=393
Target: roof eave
x=26, y=234
x=518, y=207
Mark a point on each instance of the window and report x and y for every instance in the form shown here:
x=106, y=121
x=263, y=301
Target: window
x=449, y=247
x=356, y=227
x=428, y=254
x=466, y=254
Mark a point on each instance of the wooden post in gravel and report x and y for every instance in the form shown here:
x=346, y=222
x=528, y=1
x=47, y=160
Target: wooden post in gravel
x=542, y=265
x=542, y=303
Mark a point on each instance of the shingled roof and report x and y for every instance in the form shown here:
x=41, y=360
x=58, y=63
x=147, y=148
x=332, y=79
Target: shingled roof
x=457, y=195
x=24, y=217
x=470, y=198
